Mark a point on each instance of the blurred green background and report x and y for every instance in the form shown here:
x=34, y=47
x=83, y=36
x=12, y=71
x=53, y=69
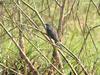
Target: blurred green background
x=80, y=16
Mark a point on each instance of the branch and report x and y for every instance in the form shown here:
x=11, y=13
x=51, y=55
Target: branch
x=76, y=58
x=10, y=69
x=58, y=3
x=23, y=54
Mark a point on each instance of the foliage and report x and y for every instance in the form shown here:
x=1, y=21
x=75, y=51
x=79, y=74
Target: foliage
x=80, y=34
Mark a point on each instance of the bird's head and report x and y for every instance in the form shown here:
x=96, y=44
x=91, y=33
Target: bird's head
x=47, y=25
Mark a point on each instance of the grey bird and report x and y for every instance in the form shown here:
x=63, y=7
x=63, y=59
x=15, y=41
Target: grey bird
x=51, y=32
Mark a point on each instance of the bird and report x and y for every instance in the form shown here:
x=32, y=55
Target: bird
x=51, y=32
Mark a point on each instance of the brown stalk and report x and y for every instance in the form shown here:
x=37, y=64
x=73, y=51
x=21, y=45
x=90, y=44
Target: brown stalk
x=22, y=53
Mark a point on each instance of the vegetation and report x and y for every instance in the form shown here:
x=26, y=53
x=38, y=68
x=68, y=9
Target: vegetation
x=25, y=48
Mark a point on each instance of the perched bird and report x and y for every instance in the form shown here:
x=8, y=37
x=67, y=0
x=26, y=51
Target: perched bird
x=52, y=32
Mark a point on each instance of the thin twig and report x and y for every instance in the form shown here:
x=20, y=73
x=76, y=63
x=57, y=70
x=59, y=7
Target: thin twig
x=37, y=13
x=10, y=69
x=89, y=32
x=78, y=60
x=23, y=54
x=58, y=3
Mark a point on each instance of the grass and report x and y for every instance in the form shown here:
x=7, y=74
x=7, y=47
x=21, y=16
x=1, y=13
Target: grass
x=73, y=38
